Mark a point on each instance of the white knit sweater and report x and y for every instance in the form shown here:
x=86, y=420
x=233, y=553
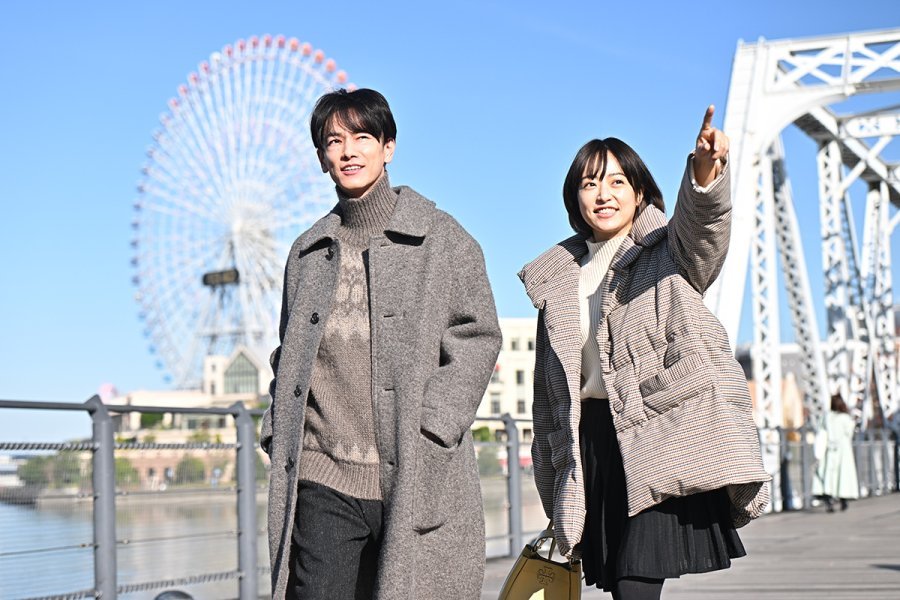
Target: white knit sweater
x=594, y=266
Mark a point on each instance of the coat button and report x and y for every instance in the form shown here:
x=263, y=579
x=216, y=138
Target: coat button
x=330, y=254
x=289, y=464
x=617, y=406
x=297, y=391
x=314, y=318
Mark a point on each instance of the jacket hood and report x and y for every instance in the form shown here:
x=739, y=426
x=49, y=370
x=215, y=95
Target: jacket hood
x=646, y=231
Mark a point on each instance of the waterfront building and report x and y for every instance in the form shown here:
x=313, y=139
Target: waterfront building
x=511, y=389
x=243, y=376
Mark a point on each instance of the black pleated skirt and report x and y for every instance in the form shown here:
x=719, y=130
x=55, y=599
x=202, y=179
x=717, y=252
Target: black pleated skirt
x=690, y=534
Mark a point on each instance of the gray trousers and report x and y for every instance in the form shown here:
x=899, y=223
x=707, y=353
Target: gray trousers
x=334, y=546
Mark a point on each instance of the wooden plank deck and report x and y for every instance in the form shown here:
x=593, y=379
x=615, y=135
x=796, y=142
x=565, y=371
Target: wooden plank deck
x=795, y=555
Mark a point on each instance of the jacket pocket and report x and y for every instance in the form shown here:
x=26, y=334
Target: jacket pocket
x=560, y=448
x=670, y=387
x=435, y=474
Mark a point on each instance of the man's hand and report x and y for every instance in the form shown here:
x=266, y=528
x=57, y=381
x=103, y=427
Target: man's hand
x=712, y=147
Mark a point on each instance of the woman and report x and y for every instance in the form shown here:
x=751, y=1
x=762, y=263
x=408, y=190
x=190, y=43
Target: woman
x=645, y=452
x=836, y=469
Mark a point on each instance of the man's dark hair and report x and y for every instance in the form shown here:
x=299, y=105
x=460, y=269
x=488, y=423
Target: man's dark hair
x=591, y=159
x=359, y=111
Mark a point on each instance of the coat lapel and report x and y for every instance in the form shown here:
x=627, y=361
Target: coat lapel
x=551, y=282
x=648, y=229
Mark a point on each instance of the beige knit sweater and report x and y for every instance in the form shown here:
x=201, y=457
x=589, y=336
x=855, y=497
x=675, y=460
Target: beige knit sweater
x=339, y=445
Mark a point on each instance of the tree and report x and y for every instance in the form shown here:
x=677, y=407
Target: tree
x=201, y=436
x=35, y=471
x=151, y=420
x=190, y=469
x=488, y=464
x=126, y=474
x=482, y=434
x=66, y=469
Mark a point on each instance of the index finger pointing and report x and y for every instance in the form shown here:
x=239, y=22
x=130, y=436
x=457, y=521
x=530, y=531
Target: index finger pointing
x=707, y=118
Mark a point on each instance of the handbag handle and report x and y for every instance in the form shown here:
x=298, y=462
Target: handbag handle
x=546, y=534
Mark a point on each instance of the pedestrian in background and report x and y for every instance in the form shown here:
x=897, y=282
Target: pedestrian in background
x=389, y=336
x=836, y=466
x=645, y=452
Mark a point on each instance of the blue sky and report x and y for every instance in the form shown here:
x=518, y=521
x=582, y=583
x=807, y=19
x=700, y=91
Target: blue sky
x=492, y=100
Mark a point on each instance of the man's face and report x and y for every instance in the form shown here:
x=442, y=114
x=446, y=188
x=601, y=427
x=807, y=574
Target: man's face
x=355, y=161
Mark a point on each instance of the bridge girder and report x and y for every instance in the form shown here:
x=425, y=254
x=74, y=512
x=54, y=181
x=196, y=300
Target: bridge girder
x=774, y=84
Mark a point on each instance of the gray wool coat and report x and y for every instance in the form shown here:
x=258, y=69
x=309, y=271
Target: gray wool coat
x=435, y=341
x=678, y=398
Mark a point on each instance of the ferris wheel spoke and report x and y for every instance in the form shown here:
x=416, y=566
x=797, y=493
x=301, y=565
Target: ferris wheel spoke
x=266, y=273
x=175, y=205
x=274, y=72
x=228, y=85
x=185, y=175
x=186, y=274
x=179, y=172
x=187, y=143
x=191, y=177
x=241, y=100
x=192, y=253
x=248, y=295
x=218, y=122
x=212, y=122
x=204, y=141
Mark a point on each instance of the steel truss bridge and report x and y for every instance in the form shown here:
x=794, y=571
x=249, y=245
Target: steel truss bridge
x=775, y=84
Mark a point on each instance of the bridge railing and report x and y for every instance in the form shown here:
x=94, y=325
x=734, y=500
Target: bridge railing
x=113, y=515
x=135, y=517
x=119, y=515
x=875, y=453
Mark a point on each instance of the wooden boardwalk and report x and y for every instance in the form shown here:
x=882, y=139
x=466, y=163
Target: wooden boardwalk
x=853, y=555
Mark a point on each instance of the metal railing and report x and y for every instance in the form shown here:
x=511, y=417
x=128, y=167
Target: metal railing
x=792, y=460
x=506, y=484
x=104, y=494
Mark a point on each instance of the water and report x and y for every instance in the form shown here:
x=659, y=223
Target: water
x=167, y=537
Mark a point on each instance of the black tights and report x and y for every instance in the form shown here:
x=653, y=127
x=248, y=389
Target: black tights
x=638, y=588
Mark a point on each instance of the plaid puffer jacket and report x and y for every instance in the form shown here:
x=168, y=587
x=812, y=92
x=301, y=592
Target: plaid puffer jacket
x=679, y=399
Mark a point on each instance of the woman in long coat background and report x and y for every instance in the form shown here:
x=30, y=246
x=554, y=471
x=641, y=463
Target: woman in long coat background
x=836, y=469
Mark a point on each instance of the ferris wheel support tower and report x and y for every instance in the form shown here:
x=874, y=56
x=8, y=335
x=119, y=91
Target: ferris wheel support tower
x=775, y=84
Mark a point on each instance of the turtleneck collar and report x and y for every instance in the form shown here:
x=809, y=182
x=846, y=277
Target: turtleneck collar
x=371, y=212
x=607, y=246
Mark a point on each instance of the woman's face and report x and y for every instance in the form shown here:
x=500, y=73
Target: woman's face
x=608, y=204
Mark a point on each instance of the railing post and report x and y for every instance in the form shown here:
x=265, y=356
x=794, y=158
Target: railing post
x=873, y=476
x=784, y=462
x=104, y=484
x=805, y=473
x=514, y=484
x=246, y=502
x=896, y=459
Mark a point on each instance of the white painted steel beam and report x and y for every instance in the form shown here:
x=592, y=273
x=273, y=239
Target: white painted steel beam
x=774, y=84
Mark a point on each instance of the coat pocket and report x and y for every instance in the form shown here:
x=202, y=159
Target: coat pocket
x=435, y=474
x=560, y=448
x=670, y=387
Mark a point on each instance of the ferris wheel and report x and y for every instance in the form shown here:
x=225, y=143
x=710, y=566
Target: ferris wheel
x=231, y=179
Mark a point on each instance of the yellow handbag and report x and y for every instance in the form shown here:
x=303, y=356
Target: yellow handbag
x=534, y=577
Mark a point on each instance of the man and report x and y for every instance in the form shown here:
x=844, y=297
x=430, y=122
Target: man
x=388, y=338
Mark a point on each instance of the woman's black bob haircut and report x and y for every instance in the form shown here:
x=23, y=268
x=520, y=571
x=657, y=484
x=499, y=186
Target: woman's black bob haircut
x=591, y=160
x=359, y=111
